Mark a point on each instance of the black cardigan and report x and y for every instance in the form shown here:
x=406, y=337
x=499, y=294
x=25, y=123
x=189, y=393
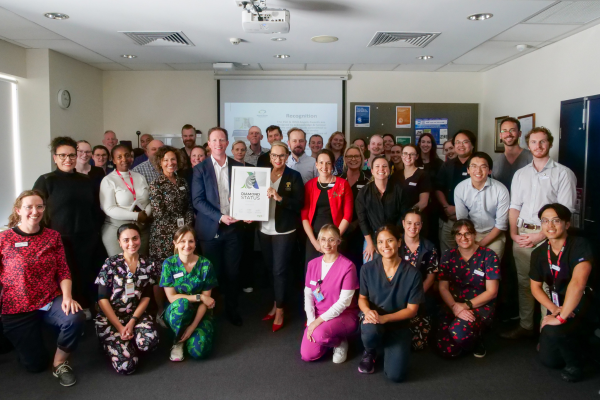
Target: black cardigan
x=287, y=211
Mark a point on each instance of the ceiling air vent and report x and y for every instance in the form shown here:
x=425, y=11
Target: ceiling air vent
x=160, y=38
x=567, y=13
x=402, y=39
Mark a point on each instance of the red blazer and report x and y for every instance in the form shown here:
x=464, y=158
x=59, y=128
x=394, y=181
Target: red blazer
x=341, y=201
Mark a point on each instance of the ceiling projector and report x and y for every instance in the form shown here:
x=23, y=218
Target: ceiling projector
x=257, y=18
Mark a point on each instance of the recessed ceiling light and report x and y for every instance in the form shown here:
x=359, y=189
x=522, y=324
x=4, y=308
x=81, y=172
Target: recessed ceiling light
x=128, y=56
x=424, y=57
x=278, y=39
x=281, y=56
x=480, y=17
x=324, y=39
x=56, y=16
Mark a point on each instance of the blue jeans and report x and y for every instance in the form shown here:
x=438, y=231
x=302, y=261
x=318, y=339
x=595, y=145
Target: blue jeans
x=24, y=331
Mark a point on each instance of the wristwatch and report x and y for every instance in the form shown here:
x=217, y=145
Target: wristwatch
x=468, y=303
x=198, y=298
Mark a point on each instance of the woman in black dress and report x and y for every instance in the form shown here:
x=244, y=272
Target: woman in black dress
x=431, y=163
x=414, y=180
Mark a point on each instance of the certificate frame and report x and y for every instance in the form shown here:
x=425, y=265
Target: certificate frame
x=249, y=201
x=527, y=124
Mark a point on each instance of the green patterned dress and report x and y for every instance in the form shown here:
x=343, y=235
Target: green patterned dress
x=180, y=314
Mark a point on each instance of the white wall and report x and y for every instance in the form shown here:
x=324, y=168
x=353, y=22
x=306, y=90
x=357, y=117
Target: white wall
x=538, y=82
x=84, y=118
x=12, y=59
x=158, y=102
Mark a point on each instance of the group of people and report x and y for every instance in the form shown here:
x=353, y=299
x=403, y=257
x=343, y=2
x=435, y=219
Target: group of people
x=399, y=247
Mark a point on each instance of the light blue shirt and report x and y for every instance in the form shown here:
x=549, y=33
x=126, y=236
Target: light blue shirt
x=306, y=166
x=486, y=208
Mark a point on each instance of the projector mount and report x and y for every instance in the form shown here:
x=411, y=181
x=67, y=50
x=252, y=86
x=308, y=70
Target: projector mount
x=253, y=6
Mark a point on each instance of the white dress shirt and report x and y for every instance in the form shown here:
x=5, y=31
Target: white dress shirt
x=486, y=208
x=222, y=184
x=531, y=190
x=306, y=165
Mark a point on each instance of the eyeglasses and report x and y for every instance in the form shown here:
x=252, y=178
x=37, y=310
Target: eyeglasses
x=554, y=221
x=409, y=154
x=84, y=152
x=328, y=241
x=278, y=156
x=353, y=157
x=461, y=142
x=64, y=156
x=466, y=235
x=511, y=130
x=39, y=208
x=481, y=167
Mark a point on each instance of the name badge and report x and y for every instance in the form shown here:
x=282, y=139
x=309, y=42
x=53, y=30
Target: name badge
x=544, y=177
x=555, y=267
x=421, y=167
x=360, y=186
x=412, y=183
x=331, y=185
x=182, y=188
x=406, y=257
x=22, y=244
x=464, y=174
x=478, y=272
x=46, y=307
x=180, y=222
x=555, y=299
x=143, y=277
x=179, y=275
x=313, y=283
x=129, y=288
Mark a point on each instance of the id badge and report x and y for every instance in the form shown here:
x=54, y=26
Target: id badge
x=180, y=222
x=46, y=307
x=129, y=289
x=555, y=299
x=318, y=295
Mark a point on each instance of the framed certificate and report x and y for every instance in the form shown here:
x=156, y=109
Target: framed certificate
x=249, y=199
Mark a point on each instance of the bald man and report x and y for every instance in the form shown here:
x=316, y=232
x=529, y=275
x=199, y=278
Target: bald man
x=145, y=139
x=147, y=167
x=255, y=150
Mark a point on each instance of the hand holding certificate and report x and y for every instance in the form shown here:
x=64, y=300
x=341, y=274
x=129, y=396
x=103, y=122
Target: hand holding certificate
x=249, y=200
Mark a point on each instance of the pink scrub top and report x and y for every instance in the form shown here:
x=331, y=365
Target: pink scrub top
x=341, y=276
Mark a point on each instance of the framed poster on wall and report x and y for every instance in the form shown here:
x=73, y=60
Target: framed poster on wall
x=527, y=124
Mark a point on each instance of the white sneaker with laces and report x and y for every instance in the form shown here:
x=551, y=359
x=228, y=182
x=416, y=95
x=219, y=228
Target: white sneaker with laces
x=340, y=353
x=177, y=352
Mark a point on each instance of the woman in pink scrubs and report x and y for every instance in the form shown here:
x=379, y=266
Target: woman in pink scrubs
x=329, y=300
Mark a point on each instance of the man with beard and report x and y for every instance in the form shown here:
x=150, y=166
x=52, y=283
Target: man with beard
x=542, y=182
x=255, y=150
x=273, y=134
x=188, y=136
x=300, y=161
x=514, y=157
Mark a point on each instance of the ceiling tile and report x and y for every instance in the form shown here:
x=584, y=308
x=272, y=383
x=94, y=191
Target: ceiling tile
x=148, y=66
x=66, y=47
x=425, y=66
x=110, y=66
x=192, y=66
x=493, y=52
x=534, y=32
x=283, y=67
x=462, y=68
x=373, y=67
x=328, y=67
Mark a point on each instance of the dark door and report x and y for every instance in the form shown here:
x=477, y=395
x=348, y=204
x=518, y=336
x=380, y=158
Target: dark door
x=591, y=216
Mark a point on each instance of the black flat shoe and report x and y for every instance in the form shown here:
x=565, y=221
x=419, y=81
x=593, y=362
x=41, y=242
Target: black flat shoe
x=571, y=374
x=234, y=318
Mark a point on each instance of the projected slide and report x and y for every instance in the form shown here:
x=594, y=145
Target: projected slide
x=313, y=118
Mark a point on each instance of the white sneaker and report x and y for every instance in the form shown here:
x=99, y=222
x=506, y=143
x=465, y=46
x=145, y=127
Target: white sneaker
x=248, y=290
x=340, y=353
x=160, y=320
x=177, y=352
x=88, y=314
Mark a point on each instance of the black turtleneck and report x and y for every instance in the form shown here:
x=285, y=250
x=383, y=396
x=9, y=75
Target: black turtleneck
x=72, y=207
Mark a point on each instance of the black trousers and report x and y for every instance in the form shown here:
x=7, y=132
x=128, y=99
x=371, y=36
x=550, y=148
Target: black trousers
x=24, y=331
x=247, y=269
x=396, y=348
x=81, y=252
x=225, y=254
x=277, y=253
x=560, y=345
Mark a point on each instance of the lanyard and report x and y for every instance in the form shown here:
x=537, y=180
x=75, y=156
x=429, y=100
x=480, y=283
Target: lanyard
x=131, y=188
x=553, y=272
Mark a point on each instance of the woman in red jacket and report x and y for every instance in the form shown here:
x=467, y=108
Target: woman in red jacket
x=327, y=200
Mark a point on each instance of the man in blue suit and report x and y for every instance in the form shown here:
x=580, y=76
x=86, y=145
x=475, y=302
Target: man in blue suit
x=219, y=233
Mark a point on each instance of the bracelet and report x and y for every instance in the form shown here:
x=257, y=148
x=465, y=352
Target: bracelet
x=560, y=319
x=136, y=319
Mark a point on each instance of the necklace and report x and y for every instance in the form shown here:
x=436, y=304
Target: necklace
x=329, y=183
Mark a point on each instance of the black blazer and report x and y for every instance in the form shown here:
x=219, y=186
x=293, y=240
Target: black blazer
x=287, y=211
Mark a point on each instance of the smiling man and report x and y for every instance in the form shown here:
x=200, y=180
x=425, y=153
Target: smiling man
x=485, y=202
x=255, y=150
x=300, y=161
x=273, y=134
x=188, y=136
x=514, y=157
x=542, y=182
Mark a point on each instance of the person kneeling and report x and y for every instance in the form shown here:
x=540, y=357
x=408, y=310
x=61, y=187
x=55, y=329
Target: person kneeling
x=124, y=290
x=390, y=293
x=329, y=301
x=469, y=278
x=564, y=264
x=188, y=280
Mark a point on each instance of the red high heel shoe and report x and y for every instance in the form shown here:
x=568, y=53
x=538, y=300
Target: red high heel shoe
x=277, y=327
x=269, y=317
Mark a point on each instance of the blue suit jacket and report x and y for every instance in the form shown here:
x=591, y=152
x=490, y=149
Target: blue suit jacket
x=205, y=196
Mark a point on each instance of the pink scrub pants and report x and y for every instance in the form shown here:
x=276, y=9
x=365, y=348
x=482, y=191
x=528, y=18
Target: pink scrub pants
x=328, y=334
